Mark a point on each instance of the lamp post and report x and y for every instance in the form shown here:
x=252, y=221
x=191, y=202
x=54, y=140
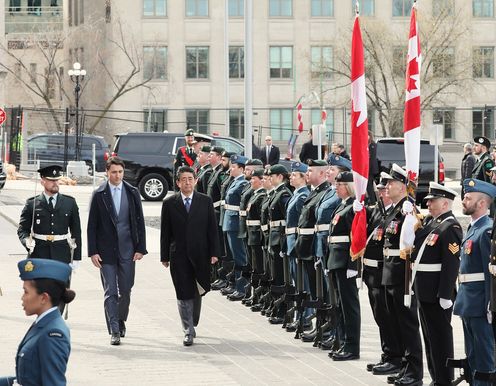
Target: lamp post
x=77, y=76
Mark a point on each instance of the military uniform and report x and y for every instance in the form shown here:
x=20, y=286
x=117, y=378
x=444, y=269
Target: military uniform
x=185, y=155
x=203, y=177
x=484, y=163
x=435, y=279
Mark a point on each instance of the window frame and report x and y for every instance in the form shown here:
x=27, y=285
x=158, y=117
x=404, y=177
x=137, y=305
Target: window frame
x=155, y=111
x=477, y=126
x=444, y=112
x=363, y=7
x=240, y=62
x=198, y=126
x=446, y=61
x=280, y=62
x=406, y=8
x=196, y=8
x=240, y=5
x=281, y=131
x=482, y=4
x=280, y=4
x=477, y=52
x=321, y=4
x=238, y=131
x=155, y=48
x=198, y=63
x=154, y=15
x=321, y=74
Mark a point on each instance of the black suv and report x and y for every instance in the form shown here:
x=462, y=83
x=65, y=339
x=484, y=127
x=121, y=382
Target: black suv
x=49, y=149
x=149, y=159
x=392, y=150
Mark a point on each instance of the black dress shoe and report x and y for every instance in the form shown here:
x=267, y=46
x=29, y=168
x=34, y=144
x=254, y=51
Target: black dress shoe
x=188, y=340
x=115, y=339
x=292, y=326
x=408, y=381
x=309, y=336
x=122, y=328
x=227, y=291
x=218, y=284
x=329, y=344
x=256, y=307
x=236, y=296
x=344, y=356
x=393, y=378
x=370, y=366
x=276, y=320
x=386, y=368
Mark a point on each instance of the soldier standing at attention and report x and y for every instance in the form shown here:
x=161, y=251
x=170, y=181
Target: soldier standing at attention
x=484, y=163
x=205, y=169
x=186, y=155
x=53, y=231
x=436, y=255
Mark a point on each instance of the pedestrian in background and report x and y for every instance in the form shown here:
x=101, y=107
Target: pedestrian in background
x=270, y=153
x=468, y=163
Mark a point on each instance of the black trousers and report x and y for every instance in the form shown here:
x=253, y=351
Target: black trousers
x=309, y=268
x=276, y=265
x=350, y=308
x=390, y=345
x=256, y=256
x=405, y=325
x=438, y=340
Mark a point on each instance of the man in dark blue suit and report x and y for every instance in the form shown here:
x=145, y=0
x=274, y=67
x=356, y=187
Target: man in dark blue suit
x=116, y=240
x=472, y=301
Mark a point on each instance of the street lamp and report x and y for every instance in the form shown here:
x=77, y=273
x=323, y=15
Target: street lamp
x=77, y=75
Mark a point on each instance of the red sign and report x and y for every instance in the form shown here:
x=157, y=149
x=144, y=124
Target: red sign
x=3, y=116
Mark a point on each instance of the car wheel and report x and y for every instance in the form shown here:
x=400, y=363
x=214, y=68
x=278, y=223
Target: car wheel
x=153, y=187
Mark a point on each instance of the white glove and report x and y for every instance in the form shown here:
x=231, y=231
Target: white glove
x=74, y=265
x=357, y=206
x=351, y=273
x=489, y=314
x=317, y=263
x=30, y=244
x=492, y=269
x=281, y=254
x=445, y=303
x=407, y=207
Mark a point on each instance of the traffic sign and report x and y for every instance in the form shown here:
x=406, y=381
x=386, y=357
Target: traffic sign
x=3, y=116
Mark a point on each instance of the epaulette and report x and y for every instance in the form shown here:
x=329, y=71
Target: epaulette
x=55, y=334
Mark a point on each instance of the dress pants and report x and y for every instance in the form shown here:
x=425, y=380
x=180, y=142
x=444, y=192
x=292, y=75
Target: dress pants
x=117, y=281
x=479, y=346
x=438, y=340
x=189, y=311
x=238, y=251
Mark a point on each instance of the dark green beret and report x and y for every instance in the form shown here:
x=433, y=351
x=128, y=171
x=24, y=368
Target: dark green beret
x=278, y=169
x=217, y=149
x=254, y=162
x=206, y=149
x=257, y=173
x=316, y=162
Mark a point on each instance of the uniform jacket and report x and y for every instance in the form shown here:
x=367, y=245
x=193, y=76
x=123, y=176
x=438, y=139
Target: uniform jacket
x=233, y=197
x=493, y=262
x=254, y=212
x=323, y=212
x=43, y=353
x=442, y=247
x=226, y=182
x=102, y=231
x=293, y=211
x=393, y=272
x=277, y=211
x=213, y=185
x=181, y=160
x=56, y=221
x=473, y=298
x=482, y=168
x=203, y=176
x=305, y=246
x=264, y=217
x=188, y=241
x=372, y=276
x=468, y=163
x=243, y=204
x=339, y=253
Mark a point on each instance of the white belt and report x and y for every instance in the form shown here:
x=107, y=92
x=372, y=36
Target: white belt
x=222, y=202
x=264, y=227
x=469, y=277
x=216, y=204
x=388, y=252
x=429, y=267
x=242, y=213
x=231, y=207
x=306, y=231
x=291, y=231
x=52, y=237
x=322, y=227
x=371, y=263
x=252, y=223
x=339, y=239
x=277, y=223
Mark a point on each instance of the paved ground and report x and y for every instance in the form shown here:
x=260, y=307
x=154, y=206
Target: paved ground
x=234, y=346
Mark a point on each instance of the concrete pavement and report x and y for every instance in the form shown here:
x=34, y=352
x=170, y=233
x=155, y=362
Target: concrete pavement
x=234, y=346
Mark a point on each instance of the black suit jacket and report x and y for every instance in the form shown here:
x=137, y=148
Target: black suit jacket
x=274, y=155
x=102, y=231
x=188, y=241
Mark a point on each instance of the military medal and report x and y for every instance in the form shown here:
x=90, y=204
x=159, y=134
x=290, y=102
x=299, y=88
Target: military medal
x=392, y=227
x=378, y=234
x=468, y=247
x=432, y=239
x=335, y=220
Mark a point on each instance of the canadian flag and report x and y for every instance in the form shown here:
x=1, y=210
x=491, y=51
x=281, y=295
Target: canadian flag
x=359, y=141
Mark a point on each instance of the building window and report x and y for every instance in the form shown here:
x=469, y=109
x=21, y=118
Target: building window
x=443, y=7
x=237, y=123
x=483, y=8
x=153, y=8
x=367, y=7
x=322, y=8
x=399, y=61
x=483, y=122
x=483, y=58
x=155, y=120
x=236, y=62
x=196, y=62
x=317, y=120
x=281, y=62
x=281, y=8
x=446, y=118
x=443, y=63
x=196, y=8
x=322, y=62
x=236, y=8
x=281, y=123
x=33, y=72
x=155, y=63
x=402, y=7
x=198, y=120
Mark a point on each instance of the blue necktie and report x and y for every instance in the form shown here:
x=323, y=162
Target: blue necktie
x=117, y=200
x=187, y=203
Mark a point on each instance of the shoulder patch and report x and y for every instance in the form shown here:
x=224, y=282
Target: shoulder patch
x=55, y=334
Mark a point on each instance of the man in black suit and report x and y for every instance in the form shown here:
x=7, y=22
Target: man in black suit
x=189, y=243
x=116, y=240
x=270, y=153
x=309, y=151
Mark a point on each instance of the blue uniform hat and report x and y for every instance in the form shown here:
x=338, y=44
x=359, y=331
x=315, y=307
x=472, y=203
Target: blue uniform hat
x=472, y=185
x=336, y=160
x=299, y=167
x=30, y=269
x=239, y=159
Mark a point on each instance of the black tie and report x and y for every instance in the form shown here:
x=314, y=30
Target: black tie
x=50, y=202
